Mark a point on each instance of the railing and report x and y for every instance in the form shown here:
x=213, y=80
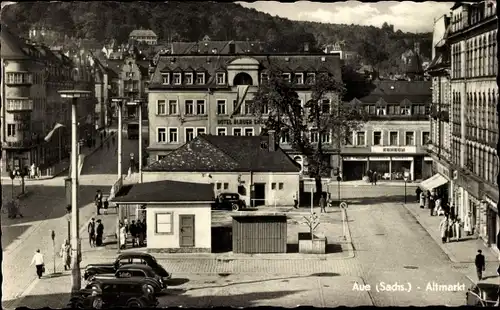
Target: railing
x=19, y=105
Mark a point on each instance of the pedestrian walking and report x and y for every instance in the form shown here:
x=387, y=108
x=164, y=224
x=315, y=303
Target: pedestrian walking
x=456, y=229
x=39, y=264
x=432, y=204
x=375, y=177
x=480, y=264
x=443, y=227
x=467, y=224
x=32, y=171
x=422, y=200
x=322, y=204
x=98, y=201
x=37, y=173
x=99, y=233
x=133, y=233
x=295, y=201
x=140, y=231
x=105, y=205
x=450, y=231
x=370, y=176
x=123, y=238
x=126, y=224
x=92, y=230
x=65, y=254
x=418, y=191
x=438, y=207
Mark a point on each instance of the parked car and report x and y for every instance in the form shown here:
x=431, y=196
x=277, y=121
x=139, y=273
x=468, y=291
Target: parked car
x=229, y=201
x=482, y=295
x=145, y=272
x=114, y=293
x=127, y=259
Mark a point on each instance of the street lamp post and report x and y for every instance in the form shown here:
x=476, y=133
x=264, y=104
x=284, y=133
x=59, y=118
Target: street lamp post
x=119, y=104
x=138, y=104
x=12, y=176
x=75, y=262
x=406, y=176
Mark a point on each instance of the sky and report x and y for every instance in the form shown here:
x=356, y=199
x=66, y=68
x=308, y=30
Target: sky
x=406, y=16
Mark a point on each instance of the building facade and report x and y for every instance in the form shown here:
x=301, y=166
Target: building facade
x=32, y=75
x=441, y=125
x=394, y=139
x=194, y=94
x=474, y=117
x=144, y=36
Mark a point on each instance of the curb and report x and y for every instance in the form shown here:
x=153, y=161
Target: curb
x=445, y=250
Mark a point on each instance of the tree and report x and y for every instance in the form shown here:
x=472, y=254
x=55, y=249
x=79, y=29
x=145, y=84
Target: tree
x=287, y=117
x=373, y=54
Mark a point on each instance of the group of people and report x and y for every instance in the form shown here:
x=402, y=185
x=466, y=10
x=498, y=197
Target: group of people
x=373, y=176
x=34, y=171
x=96, y=231
x=450, y=226
x=101, y=203
x=137, y=231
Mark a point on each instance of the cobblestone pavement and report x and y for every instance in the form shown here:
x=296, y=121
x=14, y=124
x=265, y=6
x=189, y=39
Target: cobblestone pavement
x=392, y=247
x=43, y=210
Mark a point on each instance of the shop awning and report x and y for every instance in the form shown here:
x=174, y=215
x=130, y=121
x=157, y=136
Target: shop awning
x=433, y=182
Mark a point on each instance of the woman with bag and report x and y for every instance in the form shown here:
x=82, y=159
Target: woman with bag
x=66, y=254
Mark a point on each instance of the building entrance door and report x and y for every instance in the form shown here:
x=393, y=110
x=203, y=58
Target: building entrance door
x=186, y=230
x=259, y=198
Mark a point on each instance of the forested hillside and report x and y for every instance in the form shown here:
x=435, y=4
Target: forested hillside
x=190, y=21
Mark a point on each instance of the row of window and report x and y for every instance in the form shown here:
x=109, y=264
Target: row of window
x=481, y=162
x=480, y=57
x=177, y=78
x=476, y=13
x=19, y=78
x=359, y=138
x=394, y=109
x=198, y=107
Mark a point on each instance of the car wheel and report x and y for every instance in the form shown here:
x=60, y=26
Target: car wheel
x=235, y=207
x=135, y=303
x=145, y=301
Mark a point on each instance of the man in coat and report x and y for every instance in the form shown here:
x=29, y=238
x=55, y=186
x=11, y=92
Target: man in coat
x=99, y=233
x=322, y=203
x=91, y=230
x=480, y=264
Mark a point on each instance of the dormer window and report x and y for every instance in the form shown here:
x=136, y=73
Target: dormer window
x=264, y=77
x=381, y=111
x=311, y=78
x=221, y=78
x=177, y=79
x=405, y=111
x=166, y=78
x=200, y=78
x=188, y=78
x=298, y=78
x=287, y=77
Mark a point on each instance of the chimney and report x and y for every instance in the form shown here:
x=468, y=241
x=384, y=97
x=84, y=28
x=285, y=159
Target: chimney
x=272, y=140
x=232, y=48
x=306, y=47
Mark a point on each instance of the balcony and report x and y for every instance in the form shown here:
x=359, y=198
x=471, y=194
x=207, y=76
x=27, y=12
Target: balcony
x=19, y=105
x=19, y=79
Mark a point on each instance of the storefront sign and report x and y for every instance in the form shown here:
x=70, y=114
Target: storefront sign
x=394, y=149
x=401, y=158
x=353, y=158
x=379, y=158
x=240, y=121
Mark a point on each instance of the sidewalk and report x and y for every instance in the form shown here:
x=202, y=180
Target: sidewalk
x=60, y=167
x=379, y=183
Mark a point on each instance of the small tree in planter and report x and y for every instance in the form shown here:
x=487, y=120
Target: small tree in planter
x=312, y=244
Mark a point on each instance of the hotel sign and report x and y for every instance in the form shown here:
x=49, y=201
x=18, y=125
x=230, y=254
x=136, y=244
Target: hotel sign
x=394, y=149
x=240, y=121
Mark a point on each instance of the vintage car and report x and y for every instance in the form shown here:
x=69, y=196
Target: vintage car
x=114, y=293
x=134, y=271
x=482, y=295
x=229, y=201
x=127, y=259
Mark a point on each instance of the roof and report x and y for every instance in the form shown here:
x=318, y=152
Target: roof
x=397, y=91
x=142, y=33
x=137, y=254
x=167, y=192
x=211, y=63
x=210, y=153
x=13, y=47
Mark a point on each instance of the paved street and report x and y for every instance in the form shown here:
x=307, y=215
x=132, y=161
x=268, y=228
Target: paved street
x=390, y=247
x=44, y=210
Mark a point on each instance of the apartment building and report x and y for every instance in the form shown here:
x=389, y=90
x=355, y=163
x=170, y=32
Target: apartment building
x=32, y=75
x=394, y=139
x=474, y=118
x=195, y=94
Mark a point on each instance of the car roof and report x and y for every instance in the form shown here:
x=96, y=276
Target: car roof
x=132, y=280
x=134, y=254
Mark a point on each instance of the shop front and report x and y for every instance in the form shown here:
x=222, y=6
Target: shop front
x=354, y=167
x=469, y=190
x=490, y=199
